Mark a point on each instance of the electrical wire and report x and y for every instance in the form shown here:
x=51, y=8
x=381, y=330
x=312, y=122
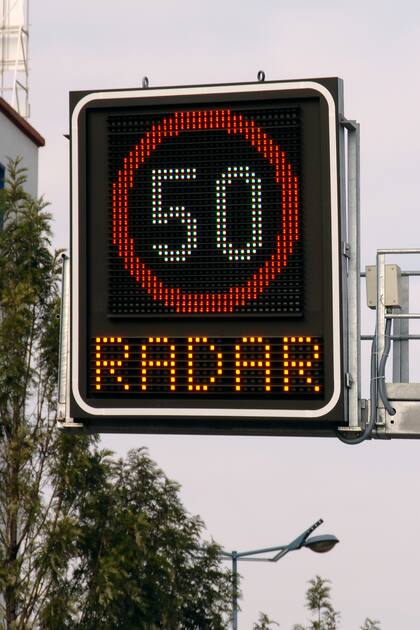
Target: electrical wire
x=377, y=385
x=373, y=403
x=381, y=370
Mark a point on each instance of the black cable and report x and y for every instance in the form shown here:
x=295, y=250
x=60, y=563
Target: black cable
x=381, y=388
x=381, y=370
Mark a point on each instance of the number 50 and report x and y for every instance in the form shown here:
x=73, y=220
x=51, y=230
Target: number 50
x=179, y=213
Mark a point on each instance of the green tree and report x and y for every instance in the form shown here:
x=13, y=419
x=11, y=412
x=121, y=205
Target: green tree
x=264, y=623
x=371, y=624
x=318, y=601
x=86, y=542
x=330, y=619
x=29, y=306
x=140, y=559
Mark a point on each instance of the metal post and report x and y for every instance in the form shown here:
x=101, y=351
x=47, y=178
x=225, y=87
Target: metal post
x=380, y=323
x=400, y=347
x=280, y=551
x=234, y=590
x=353, y=208
x=64, y=339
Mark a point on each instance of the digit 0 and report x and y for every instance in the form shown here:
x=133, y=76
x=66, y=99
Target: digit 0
x=255, y=183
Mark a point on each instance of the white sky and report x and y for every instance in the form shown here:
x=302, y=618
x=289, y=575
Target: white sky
x=256, y=492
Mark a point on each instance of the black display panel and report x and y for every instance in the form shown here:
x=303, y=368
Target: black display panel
x=206, y=257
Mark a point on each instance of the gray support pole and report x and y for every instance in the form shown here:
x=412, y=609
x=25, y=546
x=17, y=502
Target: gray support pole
x=234, y=590
x=400, y=347
x=353, y=208
x=64, y=340
x=380, y=322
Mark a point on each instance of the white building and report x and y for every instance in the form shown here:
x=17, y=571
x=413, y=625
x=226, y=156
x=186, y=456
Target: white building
x=19, y=139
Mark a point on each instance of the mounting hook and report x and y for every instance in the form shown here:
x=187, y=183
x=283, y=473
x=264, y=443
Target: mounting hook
x=145, y=83
x=261, y=76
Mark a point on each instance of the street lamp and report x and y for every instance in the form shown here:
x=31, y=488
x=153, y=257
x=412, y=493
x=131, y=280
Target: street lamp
x=319, y=544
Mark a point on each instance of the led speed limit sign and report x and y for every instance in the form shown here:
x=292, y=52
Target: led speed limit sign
x=206, y=292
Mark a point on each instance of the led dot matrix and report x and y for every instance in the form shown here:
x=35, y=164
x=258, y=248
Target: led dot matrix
x=205, y=366
x=206, y=213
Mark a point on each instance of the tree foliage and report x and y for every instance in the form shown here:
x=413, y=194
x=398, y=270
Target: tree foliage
x=86, y=542
x=318, y=601
x=264, y=623
x=29, y=306
x=371, y=624
x=138, y=559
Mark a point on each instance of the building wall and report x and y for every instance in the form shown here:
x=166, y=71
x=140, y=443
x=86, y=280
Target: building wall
x=14, y=143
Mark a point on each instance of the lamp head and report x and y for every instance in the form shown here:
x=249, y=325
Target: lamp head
x=321, y=544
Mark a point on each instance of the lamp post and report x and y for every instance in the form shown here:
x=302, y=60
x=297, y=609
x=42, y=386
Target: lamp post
x=319, y=544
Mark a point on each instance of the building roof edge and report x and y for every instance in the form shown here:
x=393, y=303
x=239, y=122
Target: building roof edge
x=21, y=123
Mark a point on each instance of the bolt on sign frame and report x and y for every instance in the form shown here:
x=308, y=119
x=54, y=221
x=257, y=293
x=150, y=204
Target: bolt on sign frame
x=207, y=291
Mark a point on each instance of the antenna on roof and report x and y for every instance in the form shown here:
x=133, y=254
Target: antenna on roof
x=14, y=68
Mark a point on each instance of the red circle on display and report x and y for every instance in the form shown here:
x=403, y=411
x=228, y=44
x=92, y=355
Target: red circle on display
x=237, y=296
